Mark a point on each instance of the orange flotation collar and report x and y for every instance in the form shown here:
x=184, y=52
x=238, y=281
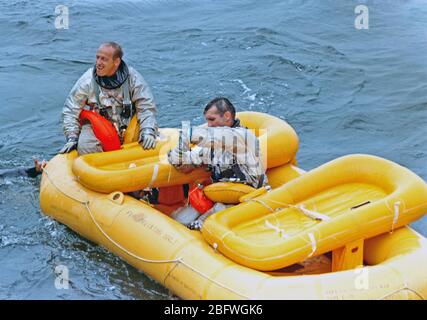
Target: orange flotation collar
x=103, y=129
x=199, y=201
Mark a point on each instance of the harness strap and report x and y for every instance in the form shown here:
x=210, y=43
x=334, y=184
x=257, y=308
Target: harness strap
x=127, y=103
x=261, y=181
x=237, y=171
x=97, y=91
x=128, y=109
x=126, y=93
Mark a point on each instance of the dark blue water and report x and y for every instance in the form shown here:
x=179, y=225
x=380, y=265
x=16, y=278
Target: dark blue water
x=343, y=90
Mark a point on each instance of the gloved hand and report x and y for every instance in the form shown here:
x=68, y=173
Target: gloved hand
x=185, y=136
x=147, y=139
x=177, y=158
x=70, y=145
x=195, y=225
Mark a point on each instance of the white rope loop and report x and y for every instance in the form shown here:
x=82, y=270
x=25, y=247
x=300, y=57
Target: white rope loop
x=404, y=287
x=280, y=231
x=313, y=244
x=312, y=214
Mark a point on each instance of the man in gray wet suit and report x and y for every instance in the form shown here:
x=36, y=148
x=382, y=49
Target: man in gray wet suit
x=24, y=171
x=115, y=91
x=230, y=151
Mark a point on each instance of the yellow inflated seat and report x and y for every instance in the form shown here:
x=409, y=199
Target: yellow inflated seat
x=227, y=192
x=348, y=199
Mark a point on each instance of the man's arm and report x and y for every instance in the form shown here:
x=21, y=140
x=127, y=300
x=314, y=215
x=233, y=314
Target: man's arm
x=225, y=139
x=144, y=102
x=75, y=101
x=233, y=140
x=186, y=160
x=31, y=172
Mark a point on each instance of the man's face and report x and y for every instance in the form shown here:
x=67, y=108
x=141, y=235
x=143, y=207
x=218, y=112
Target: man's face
x=105, y=64
x=214, y=118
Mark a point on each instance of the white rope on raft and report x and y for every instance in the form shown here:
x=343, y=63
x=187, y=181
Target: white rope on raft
x=396, y=215
x=404, y=287
x=309, y=213
x=176, y=261
x=280, y=231
x=312, y=214
x=313, y=244
x=154, y=176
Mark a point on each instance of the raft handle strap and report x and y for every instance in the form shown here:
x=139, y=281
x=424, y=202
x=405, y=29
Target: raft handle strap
x=309, y=213
x=313, y=244
x=312, y=214
x=404, y=287
x=396, y=215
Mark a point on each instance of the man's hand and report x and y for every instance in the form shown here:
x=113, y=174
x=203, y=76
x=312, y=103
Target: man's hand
x=39, y=165
x=176, y=158
x=147, y=139
x=198, y=223
x=70, y=145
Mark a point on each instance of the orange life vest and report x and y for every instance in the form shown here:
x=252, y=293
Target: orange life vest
x=103, y=129
x=199, y=201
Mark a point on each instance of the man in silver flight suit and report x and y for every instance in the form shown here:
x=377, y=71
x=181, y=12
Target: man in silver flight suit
x=231, y=152
x=114, y=90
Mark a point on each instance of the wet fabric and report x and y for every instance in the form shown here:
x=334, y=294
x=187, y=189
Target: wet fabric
x=88, y=143
x=223, y=148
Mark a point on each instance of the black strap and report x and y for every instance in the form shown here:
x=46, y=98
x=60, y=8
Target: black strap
x=238, y=172
x=127, y=106
x=261, y=181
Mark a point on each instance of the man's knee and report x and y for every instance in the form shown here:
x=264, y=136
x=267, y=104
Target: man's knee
x=88, y=143
x=88, y=148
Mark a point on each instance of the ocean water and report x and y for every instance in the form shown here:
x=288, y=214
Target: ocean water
x=344, y=90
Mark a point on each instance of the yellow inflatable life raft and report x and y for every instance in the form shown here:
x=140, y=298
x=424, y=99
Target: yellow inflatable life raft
x=180, y=259
x=387, y=266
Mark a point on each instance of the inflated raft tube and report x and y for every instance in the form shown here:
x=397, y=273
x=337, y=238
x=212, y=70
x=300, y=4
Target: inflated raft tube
x=180, y=259
x=352, y=198
x=133, y=168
